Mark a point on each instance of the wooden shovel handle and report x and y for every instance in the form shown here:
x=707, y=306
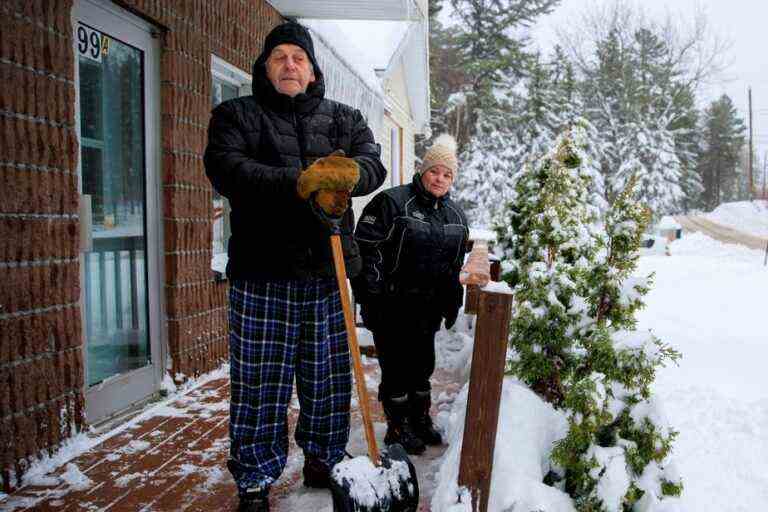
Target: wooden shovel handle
x=354, y=349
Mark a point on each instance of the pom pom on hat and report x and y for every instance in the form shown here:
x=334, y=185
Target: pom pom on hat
x=442, y=152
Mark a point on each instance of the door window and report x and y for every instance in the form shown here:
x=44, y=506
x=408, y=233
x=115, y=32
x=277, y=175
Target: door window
x=112, y=139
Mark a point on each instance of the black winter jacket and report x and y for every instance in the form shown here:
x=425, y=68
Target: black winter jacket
x=413, y=246
x=257, y=147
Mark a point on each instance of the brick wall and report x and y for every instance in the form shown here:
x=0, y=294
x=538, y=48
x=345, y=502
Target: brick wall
x=41, y=364
x=41, y=351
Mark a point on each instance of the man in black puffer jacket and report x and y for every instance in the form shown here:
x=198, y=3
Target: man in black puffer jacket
x=412, y=239
x=271, y=154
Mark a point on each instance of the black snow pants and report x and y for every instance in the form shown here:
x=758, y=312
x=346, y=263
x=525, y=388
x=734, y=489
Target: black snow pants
x=404, y=336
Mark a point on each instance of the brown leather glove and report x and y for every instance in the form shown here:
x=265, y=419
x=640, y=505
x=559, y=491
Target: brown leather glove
x=332, y=173
x=333, y=202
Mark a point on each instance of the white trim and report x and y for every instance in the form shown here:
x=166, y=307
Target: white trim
x=225, y=71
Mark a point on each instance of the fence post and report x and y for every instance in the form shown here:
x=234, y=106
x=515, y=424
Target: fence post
x=470, y=299
x=485, y=381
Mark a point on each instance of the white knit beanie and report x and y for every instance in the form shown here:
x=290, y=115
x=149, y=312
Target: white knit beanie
x=442, y=152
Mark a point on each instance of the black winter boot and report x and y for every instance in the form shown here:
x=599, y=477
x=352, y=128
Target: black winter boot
x=421, y=423
x=316, y=473
x=256, y=501
x=398, y=429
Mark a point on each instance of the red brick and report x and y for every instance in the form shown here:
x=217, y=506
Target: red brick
x=5, y=392
x=10, y=181
x=8, y=137
x=53, y=429
x=59, y=331
x=72, y=152
x=17, y=382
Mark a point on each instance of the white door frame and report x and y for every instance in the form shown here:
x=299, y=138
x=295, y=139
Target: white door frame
x=122, y=391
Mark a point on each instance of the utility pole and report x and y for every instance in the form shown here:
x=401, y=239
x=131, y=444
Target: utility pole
x=765, y=176
x=750, y=192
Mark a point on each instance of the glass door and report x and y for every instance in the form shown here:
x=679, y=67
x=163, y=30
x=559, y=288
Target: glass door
x=114, y=64
x=112, y=153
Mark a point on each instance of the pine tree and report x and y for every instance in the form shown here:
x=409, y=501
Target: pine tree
x=568, y=102
x=573, y=337
x=488, y=161
x=493, y=58
x=646, y=113
x=723, y=139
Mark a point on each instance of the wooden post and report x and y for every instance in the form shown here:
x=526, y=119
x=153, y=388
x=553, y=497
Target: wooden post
x=471, y=297
x=486, y=376
x=495, y=270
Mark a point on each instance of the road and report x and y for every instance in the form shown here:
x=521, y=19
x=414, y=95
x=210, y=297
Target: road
x=720, y=232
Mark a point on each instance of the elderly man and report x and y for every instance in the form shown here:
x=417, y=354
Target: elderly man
x=271, y=154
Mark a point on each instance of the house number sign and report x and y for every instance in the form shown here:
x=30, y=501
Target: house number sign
x=91, y=43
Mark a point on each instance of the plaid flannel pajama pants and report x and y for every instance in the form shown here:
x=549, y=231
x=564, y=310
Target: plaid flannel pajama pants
x=278, y=330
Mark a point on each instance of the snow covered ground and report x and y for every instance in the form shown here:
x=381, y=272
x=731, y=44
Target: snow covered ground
x=709, y=302
x=748, y=216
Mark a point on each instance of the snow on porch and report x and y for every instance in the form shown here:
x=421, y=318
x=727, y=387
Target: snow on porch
x=172, y=456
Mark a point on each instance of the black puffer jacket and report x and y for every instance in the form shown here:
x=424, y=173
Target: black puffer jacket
x=413, y=246
x=257, y=147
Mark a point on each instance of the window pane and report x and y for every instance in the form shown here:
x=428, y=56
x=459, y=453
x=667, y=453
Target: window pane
x=113, y=169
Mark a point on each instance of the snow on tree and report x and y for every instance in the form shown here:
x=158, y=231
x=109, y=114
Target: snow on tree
x=572, y=332
x=568, y=101
x=487, y=58
x=487, y=164
x=638, y=99
x=649, y=158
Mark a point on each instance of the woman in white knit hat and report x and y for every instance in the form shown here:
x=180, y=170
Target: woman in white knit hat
x=412, y=239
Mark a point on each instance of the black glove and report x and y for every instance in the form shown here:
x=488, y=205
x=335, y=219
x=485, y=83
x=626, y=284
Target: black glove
x=450, y=317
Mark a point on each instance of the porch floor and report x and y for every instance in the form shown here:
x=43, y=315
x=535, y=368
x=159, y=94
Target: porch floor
x=173, y=457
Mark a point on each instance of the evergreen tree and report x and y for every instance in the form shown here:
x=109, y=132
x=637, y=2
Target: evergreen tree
x=723, y=139
x=568, y=102
x=639, y=101
x=573, y=335
x=489, y=51
x=493, y=59
x=446, y=76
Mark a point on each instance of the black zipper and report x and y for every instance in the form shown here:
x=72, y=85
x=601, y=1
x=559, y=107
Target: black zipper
x=299, y=134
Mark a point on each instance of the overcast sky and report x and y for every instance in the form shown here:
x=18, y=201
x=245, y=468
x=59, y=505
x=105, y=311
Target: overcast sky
x=743, y=22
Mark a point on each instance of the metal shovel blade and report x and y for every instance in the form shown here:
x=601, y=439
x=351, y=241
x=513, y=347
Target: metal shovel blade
x=357, y=485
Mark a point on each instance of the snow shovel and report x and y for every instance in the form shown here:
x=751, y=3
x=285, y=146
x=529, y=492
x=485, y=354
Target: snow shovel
x=383, y=481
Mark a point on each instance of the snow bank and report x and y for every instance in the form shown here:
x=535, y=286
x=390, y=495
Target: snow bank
x=705, y=251
x=668, y=222
x=453, y=347
x=748, y=216
x=527, y=429
x=708, y=301
x=76, y=478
